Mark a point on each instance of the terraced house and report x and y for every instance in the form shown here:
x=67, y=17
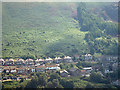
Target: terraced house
x=48, y=60
x=58, y=60
x=40, y=69
x=9, y=62
x=19, y=62
x=39, y=62
x=88, y=57
x=29, y=62
x=68, y=59
x=2, y=62
x=21, y=70
x=52, y=68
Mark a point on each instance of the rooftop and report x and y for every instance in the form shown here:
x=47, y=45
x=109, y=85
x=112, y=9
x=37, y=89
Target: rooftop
x=87, y=68
x=57, y=58
x=88, y=55
x=20, y=60
x=1, y=59
x=67, y=57
x=47, y=59
x=63, y=71
x=29, y=60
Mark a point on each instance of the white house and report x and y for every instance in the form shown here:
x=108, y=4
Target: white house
x=64, y=73
x=21, y=70
x=48, y=60
x=13, y=71
x=9, y=62
x=38, y=62
x=52, y=68
x=29, y=62
x=88, y=57
x=19, y=62
x=58, y=60
x=33, y=70
x=68, y=59
x=88, y=69
x=1, y=62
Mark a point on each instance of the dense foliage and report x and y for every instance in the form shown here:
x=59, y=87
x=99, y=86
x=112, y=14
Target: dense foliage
x=54, y=80
x=100, y=32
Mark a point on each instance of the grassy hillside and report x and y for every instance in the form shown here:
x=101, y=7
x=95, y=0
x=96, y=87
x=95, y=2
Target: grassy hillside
x=42, y=29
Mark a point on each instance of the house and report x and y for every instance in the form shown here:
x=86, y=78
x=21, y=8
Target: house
x=107, y=58
x=19, y=62
x=88, y=57
x=13, y=70
x=21, y=70
x=9, y=62
x=108, y=71
x=31, y=69
x=115, y=66
x=6, y=70
x=38, y=62
x=29, y=62
x=58, y=60
x=18, y=78
x=96, y=67
x=48, y=60
x=111, y=57
x=83, y=72
x=76, y=57
x=67, y=59
x=115, y=82
x=88, y=69
x=40, y=68
x=64, y=73
x=9, y=69
x=9, y=77
x=14, y=78
x=52, y=68
x=1, y=70
x=4, y=78
x=1, y=62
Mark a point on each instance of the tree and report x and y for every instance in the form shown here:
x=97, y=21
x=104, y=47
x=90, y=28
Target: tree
x=43, y=79
x=89, y=86
x=66, y=83
x=54, y=76
x=21, y=80
x=49, y=85
x=54, y=84
x=33, y=83
x=95, y=77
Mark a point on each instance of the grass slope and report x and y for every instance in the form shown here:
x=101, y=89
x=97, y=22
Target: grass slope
x=40, y=28
x=37, y=29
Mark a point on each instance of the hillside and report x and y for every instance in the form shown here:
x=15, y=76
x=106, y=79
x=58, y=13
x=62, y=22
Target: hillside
x=37, y=30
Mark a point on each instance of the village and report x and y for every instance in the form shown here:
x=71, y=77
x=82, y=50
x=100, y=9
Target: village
x=15, y=69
